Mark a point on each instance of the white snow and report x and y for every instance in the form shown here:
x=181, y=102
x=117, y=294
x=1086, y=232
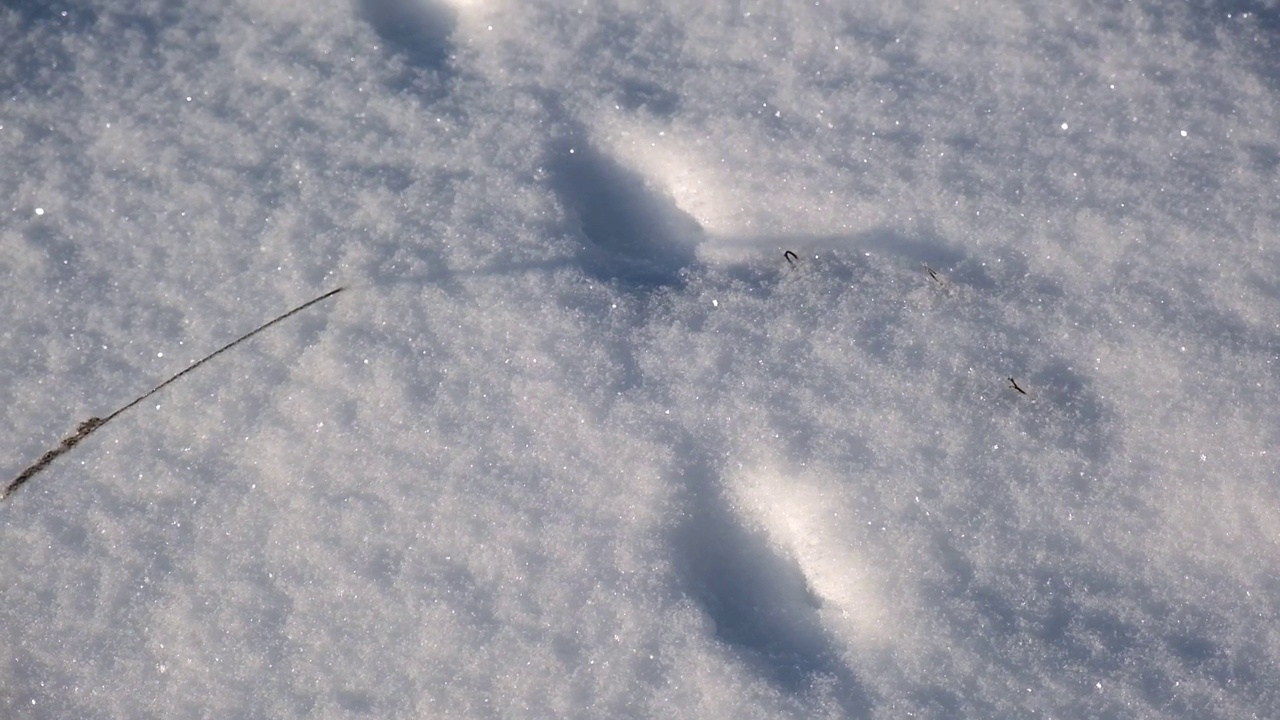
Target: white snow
x=578, y=440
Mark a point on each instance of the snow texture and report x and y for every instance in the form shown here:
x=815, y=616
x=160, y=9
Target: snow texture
x=578, y=440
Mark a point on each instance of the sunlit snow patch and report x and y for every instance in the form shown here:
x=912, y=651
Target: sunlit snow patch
x=476, y=19
x=740, y=211
x=807, y=521
x=683, y=169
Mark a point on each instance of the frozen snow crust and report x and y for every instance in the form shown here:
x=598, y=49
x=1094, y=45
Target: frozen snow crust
x=578, y=440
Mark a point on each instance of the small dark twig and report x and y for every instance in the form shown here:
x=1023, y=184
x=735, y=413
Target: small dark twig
x=934, y=274
x=1014, y=384
x=791, y=257
x=89, y=426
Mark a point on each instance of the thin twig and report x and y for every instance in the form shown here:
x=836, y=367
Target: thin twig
x=87, y=427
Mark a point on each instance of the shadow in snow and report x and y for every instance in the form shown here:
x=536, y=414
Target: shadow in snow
x=635, y=94
x=1089, y=419
x=630, y=231
x=420, y=32
x=759, y=599
x=417, y=29
x=919, y=247
x=355, y=701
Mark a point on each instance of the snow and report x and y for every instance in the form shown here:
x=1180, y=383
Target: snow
x=577, y=440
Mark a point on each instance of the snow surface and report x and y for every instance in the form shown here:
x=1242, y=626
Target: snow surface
x=578, y=440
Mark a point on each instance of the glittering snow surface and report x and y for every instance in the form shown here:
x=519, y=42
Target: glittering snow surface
x=578, y=440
